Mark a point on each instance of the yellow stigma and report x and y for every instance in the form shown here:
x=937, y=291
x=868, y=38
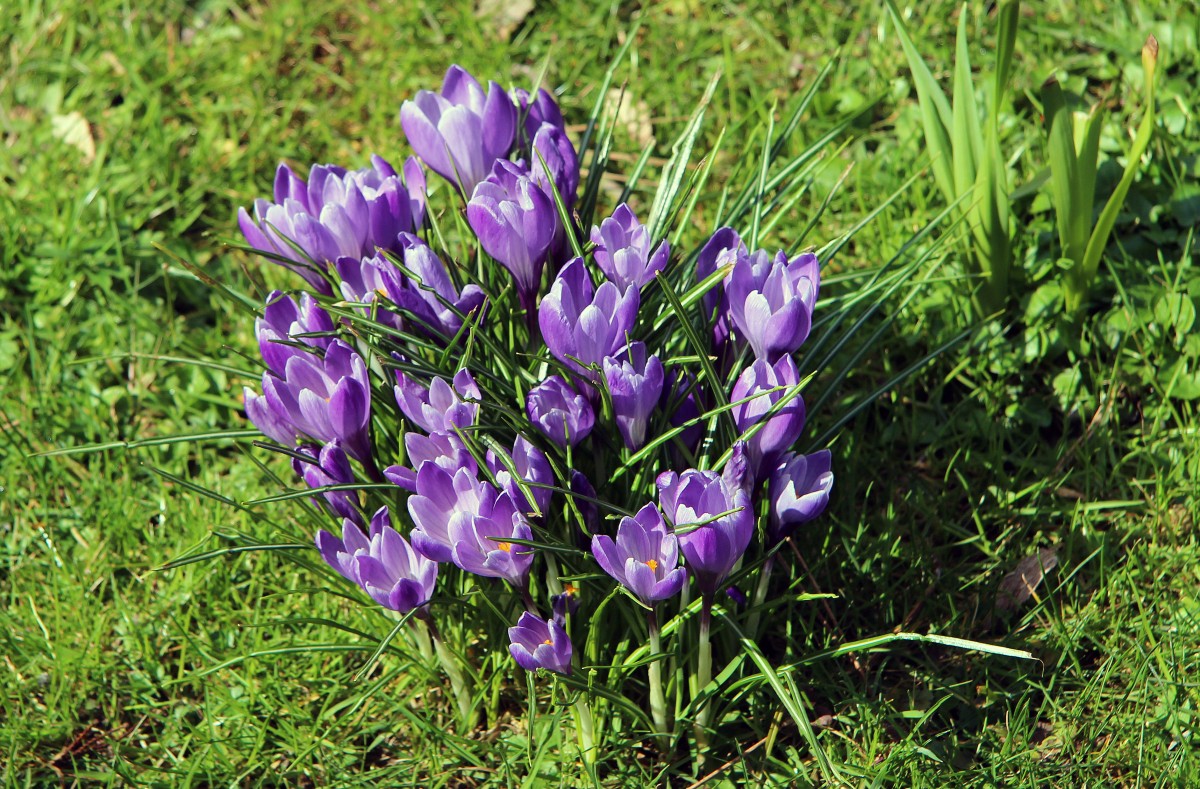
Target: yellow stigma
x=548, y=643
x=381, y=292
x=505, y=546
x=571, y=589
x=652, y=564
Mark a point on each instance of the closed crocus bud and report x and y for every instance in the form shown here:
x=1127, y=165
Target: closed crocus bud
x=441, y=449
x=761, y=385
x=443, y=499
x=552, y=147
x=328, y=465
x=623, y=250
x=326, y=397
x=531, y=466
x=460, y=132
x=275, y=425
x=515, y=222
x=582, y=324
x=384, y=565
x=644, y=558
x=722, y=250
x=484, y=545
x=286, y=323
x=711, y=549
x=428, y=292
x=584, y=496
x=771, y=301
x=537, y=643
x=534, y=111
x=439, y=408
x=798, y=491
x=337, y=213
x=372, y=280
x=635, y=382
x=561, y=414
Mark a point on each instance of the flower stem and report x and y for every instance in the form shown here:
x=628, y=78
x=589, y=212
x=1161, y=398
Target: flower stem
x=703, y=677
x=585, y=729
x=421, y=636
x=527, y=597
x=467, y=713
x=760, y=595
x=658, y=702
x=552, y=583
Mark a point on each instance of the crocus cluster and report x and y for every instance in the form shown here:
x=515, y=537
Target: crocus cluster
x=479, y=402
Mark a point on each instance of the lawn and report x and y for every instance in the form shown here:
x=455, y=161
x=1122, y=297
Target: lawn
x=1021, y=478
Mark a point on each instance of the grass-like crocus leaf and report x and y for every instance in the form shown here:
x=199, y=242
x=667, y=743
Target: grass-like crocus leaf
x=666, y=203
x=1073, y=180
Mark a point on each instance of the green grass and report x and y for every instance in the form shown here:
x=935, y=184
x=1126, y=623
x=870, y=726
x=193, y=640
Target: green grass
x=1031, y=434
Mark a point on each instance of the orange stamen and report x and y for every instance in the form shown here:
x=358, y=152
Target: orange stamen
x=652, y=564
x=505, y=546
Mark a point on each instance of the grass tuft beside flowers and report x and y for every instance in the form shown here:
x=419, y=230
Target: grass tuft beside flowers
x=491, y=421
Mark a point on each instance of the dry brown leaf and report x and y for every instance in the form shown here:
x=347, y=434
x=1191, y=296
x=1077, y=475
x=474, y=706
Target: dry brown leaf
x=74, y=130
x=633, y=116
x=1019, y=585
x=504, y=16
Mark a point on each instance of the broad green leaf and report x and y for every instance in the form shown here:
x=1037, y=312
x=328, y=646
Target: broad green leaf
x=1063, y=163
x=936, y=116
x=1079, y=280
x=1009, y=16
x=967, y=138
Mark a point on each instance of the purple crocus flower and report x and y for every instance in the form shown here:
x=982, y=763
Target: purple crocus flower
x=271, y=423
x=284, y=324
x=441, y=449
x=644, y=558
x=337, y=213
x=762, y=385
x=552, y=146
x=635, y=382
x=439, y=408
x=531, y=466
x=537, y=643
x=562, y=415
x=384, y=565
x=328, y=465
x=771, y=301
x=798, y=491
x=565, y=604
x=582, y=324
x=584, y=496
x=461, y=132
x=483, y=544
x=516, y=223
x=623, y=250
x=713, y=548
x=534, y=111
x=325, y=397
x=443, y=499
x=428, y=291
x=369, y=280
x=724, y=248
